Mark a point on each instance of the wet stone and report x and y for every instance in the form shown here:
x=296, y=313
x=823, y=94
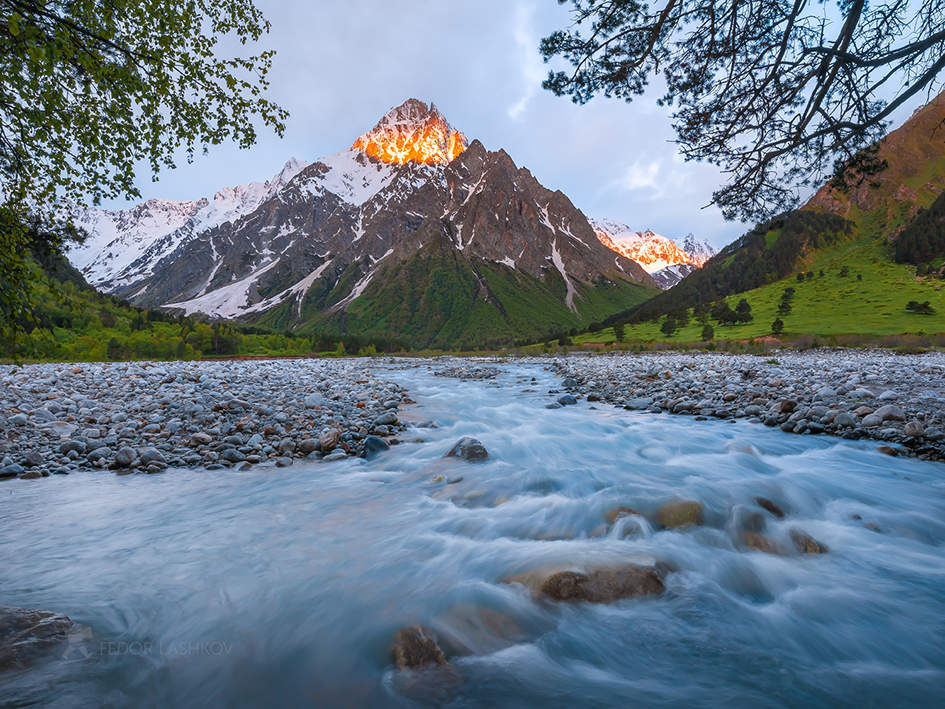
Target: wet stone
x=416, y=647
x=684, y=513
x=603, y=585
x=806, y=544
x=469, y=449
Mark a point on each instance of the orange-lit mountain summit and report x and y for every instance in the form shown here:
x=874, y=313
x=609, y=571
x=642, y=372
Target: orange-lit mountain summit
x=413, y=132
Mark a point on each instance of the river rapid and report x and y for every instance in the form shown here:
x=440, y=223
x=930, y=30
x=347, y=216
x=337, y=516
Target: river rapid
x=286, y=586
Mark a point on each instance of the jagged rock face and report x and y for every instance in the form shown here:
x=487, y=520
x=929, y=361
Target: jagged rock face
x=660, y=256
x=502, y=213
x=412, y=132
x=321, y=234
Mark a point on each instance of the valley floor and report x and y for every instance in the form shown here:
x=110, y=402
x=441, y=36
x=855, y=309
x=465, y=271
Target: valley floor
x=146, y=417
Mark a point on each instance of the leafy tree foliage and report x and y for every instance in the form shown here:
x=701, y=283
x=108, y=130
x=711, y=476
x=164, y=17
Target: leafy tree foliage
x=723, y=314
x=785, y=307
x=708, y=332
x=743, y=311
x=669, y=326
x=92, y=87
x=777, y=327
x=619, y=332
x=774, y=92
x=924, y=308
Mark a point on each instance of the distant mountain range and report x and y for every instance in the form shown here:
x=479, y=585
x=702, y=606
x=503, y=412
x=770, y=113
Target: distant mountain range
x=413, y=231
x=660, y=256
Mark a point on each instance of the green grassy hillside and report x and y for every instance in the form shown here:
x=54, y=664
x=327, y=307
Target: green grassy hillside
x=867, y=248
x=70, y=321
x=870, y=299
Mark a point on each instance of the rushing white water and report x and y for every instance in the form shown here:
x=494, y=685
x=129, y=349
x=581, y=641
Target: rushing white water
x=285, y=587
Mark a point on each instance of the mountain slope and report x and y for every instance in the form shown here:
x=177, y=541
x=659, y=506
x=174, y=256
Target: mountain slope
x=852, y=237
x=316, y=246
x=71, y=321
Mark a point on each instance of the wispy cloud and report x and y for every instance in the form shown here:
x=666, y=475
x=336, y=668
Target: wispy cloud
x=526, y=44
x=642, y=176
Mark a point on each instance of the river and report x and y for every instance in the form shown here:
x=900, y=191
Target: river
x=285, y=586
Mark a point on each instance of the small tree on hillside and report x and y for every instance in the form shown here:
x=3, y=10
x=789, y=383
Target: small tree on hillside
x=743, y=311
x=723, y=313
x=777, y=327
x=701, y=312
x=668, y=327
x=707, y=332
x=619, y=332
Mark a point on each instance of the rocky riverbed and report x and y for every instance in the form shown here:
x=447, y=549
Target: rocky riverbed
x=853, y=394
x=146, y=417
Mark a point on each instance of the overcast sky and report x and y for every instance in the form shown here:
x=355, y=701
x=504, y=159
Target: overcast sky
x=341, y=65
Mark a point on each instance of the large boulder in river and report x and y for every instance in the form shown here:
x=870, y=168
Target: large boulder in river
x=603, y=585
x=27, y=635
x=683, y=513
x=468, y=448
x=416, y=647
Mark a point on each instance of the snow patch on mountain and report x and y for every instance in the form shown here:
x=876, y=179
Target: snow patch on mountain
x=352, y=176
x=699, y=251
x=559, y=264
x=118, y=238
x=225, y=302
x=298, y=290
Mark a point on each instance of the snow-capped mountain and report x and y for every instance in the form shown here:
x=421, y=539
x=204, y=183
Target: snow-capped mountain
x=699, y=251
x=150, y=230
x=667, y=277
x=320, y=242
x=660, y=256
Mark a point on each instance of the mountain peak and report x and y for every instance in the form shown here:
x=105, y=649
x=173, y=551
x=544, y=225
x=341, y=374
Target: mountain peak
x=412, y=132
x=651, y=250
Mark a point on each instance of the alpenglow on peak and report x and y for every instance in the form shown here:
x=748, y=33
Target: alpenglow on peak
x=412, y=132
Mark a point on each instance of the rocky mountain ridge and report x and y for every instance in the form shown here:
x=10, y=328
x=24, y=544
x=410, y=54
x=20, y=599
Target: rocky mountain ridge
x=304, y=247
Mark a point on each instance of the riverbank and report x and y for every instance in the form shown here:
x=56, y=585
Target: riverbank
x=148, y=416
x=853, y=394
